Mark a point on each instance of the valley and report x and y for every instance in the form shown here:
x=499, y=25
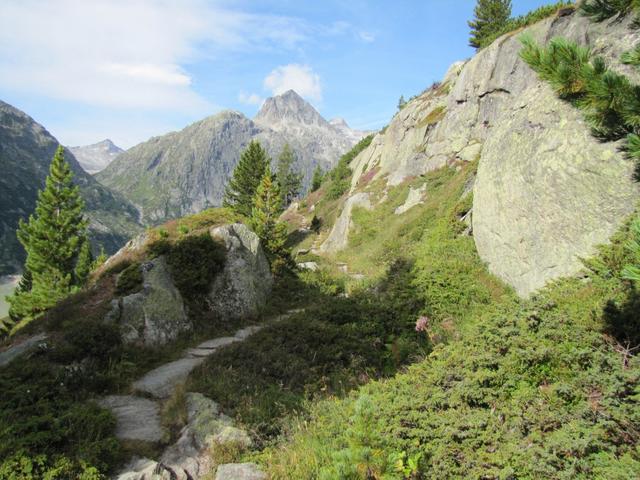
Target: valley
x=454, y=295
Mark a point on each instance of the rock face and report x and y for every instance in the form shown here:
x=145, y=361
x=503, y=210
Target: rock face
x=26, y=151
x=338, y=238
x=185, y=172
x=94, y=158
x=546, y=191
x=242, y=288
x=156, y=315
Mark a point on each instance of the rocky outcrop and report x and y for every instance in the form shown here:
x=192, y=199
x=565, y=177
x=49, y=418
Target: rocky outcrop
x=156, y=315
x=242, y=288
x=25, y=346
x=415, y=197
x=546, y=191
x=338, y=237
x=189, y=457
x=185, y=172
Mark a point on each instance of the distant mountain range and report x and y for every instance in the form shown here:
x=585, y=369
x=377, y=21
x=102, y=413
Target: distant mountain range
x=184, y=172
x=26, y=150
x=94, y=158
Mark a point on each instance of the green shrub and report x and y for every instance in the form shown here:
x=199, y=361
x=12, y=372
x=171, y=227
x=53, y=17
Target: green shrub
x=129, y=280
x=335, y=345
x=340, y=176
x=600, y=10
x=609, y=101
x=42, y=412
x=24, y=467
x=522, y=21
x=158, y=248
x=531, y=390
x=194, y=262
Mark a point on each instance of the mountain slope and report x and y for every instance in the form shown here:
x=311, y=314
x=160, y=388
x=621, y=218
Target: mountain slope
x=184, y=172
x=538, y=162
x=94, y=158
x=26, y=150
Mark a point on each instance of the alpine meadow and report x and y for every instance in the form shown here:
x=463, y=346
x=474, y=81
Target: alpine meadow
x=249, y=288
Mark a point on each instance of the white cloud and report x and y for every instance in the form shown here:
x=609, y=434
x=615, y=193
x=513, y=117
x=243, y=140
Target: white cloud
x=300, y=78
x=250, y=98
x=366, y=37
x=127, y=53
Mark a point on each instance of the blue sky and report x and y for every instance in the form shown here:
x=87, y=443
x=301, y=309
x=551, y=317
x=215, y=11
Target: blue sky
x=131, y=69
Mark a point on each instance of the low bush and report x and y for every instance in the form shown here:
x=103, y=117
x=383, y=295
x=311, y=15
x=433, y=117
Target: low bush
x=517, y=23
x=531, y=390
x=22, y=466
x=194, y=262
x=335, y=345
x=129, y=280
x=340, y=176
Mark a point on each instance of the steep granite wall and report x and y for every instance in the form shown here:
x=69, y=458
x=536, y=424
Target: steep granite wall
x=546, y=190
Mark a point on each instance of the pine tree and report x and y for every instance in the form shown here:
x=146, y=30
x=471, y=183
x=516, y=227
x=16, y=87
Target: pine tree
x=401, y=102
x=52, y=239
x=246, y=178
x=26, y=282
x=266, y=224
x=489, y=17
x=289, y=181
x=100, y=259
x=316, y=180
x=84, y=264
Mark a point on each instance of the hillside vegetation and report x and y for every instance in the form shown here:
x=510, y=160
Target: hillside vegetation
x=400, y=356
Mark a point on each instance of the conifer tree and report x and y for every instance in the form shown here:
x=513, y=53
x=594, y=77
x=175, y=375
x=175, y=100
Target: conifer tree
x=84, y=264
x=401, y=102
x=489, y=17
x=265, y=222
x=52, y=239
x=289, y=181
x=246, y=178
x=316, y=180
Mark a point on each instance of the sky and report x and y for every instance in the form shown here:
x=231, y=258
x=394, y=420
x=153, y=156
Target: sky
x=132, y=69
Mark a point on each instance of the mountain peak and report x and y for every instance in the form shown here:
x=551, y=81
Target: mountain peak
x=286, y=108
x=95, y=157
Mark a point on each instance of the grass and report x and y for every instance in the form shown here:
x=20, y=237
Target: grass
x=531, y=389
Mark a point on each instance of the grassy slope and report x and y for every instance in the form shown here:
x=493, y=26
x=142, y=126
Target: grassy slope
x=532, y=389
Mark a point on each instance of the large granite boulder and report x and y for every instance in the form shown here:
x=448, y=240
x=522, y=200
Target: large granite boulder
x=546, y=192
x=243, y=286
x=156, y=315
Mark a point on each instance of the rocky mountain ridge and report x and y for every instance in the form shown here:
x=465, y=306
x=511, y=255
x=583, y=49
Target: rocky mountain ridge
x=185, y=172
x=95, y=157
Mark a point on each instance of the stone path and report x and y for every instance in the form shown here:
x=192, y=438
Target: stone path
x=138, y=418
x=138, y=415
